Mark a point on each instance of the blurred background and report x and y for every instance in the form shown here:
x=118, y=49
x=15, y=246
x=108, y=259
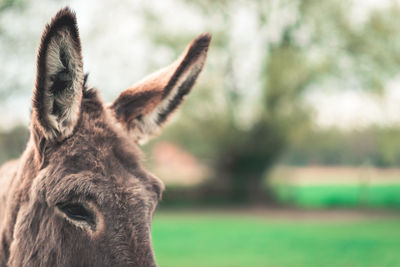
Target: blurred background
x=287, y=153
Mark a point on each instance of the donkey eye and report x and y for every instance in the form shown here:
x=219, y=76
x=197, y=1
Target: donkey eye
x=77, y=212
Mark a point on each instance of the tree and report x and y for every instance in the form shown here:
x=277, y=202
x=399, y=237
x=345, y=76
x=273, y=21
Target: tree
x=317, y=45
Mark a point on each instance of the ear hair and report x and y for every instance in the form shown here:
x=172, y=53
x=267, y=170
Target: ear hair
x=59, y=79
x=145, y=107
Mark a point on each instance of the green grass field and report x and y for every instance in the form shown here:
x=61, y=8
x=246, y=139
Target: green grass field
x=318, y=186
x=198, y=240
x=340, y=195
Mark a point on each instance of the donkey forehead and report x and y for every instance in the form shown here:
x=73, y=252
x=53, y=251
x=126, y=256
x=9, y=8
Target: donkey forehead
x=104, y=191
x=60, y=183
x=97, y=161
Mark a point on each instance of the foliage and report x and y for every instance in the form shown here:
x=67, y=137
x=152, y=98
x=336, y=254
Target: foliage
x=316, y=45
x=6, y=4
x=373, y=146
x=12, y=143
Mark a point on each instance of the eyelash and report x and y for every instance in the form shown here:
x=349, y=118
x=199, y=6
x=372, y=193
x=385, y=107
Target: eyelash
x=77, y=212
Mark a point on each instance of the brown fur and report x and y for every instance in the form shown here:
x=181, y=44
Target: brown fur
x=92, y=160
x=158, y=95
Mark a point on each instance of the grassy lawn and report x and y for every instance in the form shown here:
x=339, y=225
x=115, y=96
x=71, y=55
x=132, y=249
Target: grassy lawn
x=340, y=195
x=190, y=239
x=320, y=186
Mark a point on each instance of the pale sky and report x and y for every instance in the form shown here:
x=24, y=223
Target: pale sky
x=357, y=109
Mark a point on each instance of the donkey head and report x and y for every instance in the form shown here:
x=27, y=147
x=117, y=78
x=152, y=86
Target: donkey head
x=85, y=198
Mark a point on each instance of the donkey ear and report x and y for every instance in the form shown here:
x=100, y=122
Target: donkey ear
x=143, y=108
x=59, y=79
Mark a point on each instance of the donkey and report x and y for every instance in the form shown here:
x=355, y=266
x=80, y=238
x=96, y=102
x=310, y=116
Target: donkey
x=79, y=195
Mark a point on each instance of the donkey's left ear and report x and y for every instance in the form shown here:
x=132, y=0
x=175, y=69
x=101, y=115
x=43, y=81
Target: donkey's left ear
x=144, y=108
x=59, y=79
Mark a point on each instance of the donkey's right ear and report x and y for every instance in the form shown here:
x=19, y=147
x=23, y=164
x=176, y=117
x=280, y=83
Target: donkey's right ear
x=58, y=90
x=145, y=107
